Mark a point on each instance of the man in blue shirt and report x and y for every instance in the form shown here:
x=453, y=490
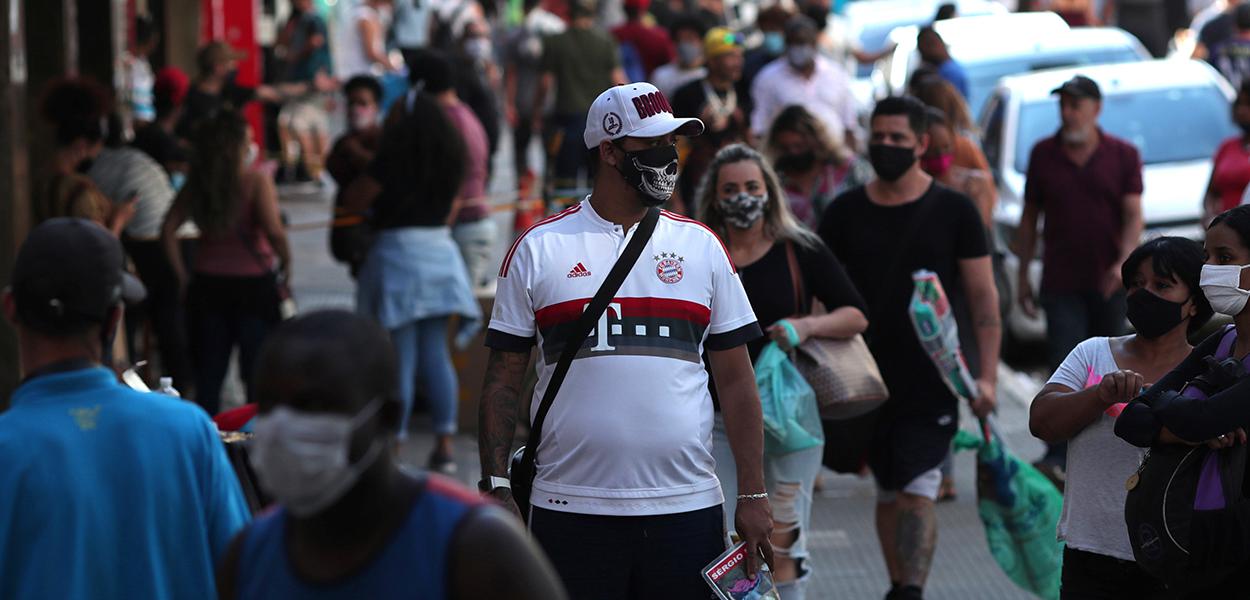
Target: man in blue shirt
x=105, y=492
x=933, y=52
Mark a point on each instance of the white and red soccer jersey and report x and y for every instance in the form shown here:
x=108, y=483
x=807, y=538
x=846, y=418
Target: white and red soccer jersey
x=630, y=432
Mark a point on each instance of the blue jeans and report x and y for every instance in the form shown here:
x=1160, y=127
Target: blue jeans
x=790, y=480
x=608, y=558
x=421, y=348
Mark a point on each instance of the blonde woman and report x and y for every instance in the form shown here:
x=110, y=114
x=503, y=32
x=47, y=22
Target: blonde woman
x=813, y=167
x=741, y=199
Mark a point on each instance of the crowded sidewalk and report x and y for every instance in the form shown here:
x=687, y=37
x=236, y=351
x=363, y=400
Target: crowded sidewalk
x=843, y=542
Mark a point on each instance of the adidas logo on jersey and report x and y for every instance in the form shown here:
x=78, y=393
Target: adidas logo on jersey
x=579, y=271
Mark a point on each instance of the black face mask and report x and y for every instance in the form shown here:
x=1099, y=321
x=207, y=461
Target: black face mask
x=652, y=172
x=796, y=163
x=84, y=165
x=1245, y=128
x=1151, y=315
x=891, y=162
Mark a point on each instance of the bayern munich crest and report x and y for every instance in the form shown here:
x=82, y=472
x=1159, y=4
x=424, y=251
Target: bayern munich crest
x=668, y=267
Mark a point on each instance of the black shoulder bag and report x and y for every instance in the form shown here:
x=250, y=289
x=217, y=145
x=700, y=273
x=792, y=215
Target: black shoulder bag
x=523, y=469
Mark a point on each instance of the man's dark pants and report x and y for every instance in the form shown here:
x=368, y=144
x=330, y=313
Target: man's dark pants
x=1075, y=317
x=1071, y=319
x=568, y=158
x=164, y=308
x=610, y=558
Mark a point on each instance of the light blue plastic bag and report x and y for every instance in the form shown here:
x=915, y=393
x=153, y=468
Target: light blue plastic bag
x=791, y=418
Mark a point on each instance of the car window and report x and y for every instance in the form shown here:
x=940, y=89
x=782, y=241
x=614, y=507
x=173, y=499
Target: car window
x=1165, y=125
x=983, y=76
x=992, y=138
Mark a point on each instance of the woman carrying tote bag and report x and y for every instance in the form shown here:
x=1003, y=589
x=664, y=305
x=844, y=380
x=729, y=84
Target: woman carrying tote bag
x=741, y=199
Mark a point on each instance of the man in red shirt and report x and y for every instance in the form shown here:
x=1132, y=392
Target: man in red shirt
x=652, y=42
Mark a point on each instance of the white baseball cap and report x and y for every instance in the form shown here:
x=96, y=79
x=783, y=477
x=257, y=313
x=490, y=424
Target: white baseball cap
x=634, y=110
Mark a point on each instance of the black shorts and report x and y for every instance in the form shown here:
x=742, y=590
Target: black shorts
x=904, y=447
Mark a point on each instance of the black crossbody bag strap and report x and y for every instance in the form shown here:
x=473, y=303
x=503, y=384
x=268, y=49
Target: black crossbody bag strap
x=581, y=330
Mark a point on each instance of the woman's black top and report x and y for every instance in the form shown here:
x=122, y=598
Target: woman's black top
x=1195, y=420
x=770, y=288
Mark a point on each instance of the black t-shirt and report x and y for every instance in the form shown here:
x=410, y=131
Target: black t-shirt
x=1217, y=32
x=881, y=246
x=200, y=105
x=161, y=145
x=770, y=288
x=402, y=202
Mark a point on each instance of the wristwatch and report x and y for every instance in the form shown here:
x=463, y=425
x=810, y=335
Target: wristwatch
x=491, y=483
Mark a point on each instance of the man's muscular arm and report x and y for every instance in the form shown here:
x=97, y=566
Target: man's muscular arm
x=497, y=415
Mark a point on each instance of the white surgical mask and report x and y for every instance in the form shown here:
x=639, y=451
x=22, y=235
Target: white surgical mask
x=801, y=57
x=302, y=458
x=1221, y=284
x=251, y=154
x=363, y=118
x=478, y=48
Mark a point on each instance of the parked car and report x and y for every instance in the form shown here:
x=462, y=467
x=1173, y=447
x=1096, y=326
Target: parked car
x=990, y=48
x=1176, y=112
x=868, y=23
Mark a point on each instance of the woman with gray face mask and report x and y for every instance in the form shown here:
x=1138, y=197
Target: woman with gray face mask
x=741, y=200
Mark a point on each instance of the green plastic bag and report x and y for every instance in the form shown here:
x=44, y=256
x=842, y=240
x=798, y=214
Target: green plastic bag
x=791, y=418
x=1020, y=509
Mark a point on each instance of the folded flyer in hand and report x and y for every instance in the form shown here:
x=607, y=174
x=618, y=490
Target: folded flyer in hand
x=728, y=577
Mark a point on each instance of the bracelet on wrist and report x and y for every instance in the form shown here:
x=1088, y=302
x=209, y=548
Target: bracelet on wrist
x=759, y=496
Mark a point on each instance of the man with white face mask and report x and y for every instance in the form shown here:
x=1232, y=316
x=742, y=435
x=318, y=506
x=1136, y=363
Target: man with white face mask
x=351, y=155
x=350, y=523
x=1088, y=184
x=626, y=494
x=803, y=76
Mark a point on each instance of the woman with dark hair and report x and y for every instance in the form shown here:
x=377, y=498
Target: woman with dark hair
x=78, y=111
x=741, y=200
x=1230, y=170
x=231, y=291
x=814, y=168
x=1081, y=402
x=413, y=279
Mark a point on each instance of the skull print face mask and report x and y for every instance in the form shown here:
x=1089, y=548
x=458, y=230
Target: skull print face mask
x=653, y=172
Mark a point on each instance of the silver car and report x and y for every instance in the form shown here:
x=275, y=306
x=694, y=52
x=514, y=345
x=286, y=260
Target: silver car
x=1176, y=112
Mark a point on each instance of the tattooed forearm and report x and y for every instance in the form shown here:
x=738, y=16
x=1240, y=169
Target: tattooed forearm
x=497, y=414
x=916, y=538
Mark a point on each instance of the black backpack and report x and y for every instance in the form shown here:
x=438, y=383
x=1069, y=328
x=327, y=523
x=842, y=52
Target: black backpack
x=1187, y=512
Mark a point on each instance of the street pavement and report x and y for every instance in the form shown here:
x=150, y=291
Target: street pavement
x=845, y=558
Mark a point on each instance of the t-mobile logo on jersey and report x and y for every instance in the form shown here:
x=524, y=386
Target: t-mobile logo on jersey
x=606, y=328
x=601, y=330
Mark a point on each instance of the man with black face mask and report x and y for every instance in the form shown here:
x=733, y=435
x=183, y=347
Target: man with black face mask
x=883, y=232
x=626, y=495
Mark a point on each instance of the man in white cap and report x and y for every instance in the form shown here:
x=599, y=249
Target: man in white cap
x=626, y=495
